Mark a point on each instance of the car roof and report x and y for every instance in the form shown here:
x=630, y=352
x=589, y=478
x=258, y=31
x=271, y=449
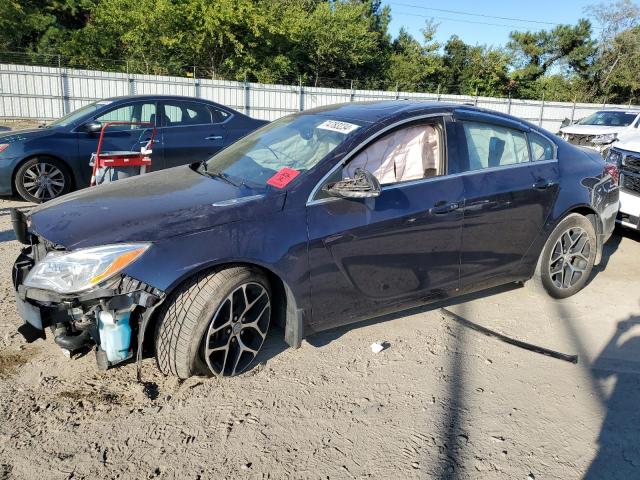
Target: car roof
x=371, y=112
x=158, y=97
x=619, y=110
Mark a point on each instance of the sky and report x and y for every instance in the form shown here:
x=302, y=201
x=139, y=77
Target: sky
x=412, y=14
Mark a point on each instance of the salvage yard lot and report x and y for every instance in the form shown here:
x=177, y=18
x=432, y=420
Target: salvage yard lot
x=443, y=401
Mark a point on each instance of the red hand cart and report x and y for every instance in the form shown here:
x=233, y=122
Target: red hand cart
x=120, y=159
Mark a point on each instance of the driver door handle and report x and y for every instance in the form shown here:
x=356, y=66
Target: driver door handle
x=213, y=137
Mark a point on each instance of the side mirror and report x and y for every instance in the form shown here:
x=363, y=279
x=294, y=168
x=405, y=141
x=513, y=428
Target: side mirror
x=363, y=185
x=565, y=123
x=93, y=127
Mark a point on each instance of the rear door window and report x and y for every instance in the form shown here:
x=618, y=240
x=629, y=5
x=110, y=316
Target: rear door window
x=186, y=113
x=541, y=148
x=494, y=146
x=218, y=115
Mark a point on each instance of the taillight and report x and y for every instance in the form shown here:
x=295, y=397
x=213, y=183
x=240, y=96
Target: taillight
x=613, y=171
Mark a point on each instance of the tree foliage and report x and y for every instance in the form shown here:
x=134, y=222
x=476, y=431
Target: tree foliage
x=330, y=43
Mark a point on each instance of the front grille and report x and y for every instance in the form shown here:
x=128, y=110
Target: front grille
x=631, y=182
x=580, y=139
x=631, y=163
x=630, y=172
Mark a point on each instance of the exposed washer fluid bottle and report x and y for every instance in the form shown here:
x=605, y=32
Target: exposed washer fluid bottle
x=115, y=334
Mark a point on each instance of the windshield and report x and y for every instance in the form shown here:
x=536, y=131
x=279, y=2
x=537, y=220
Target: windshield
x=77, y=114
x=280, y=151
x=611, y=119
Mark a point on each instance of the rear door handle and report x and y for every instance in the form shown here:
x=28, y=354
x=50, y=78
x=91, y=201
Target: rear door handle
x=213, y=137
x=144, y=142
x=543, y=184
x=443, y=207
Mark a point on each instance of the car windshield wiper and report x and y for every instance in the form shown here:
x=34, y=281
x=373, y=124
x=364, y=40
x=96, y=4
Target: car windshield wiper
x=221, y=176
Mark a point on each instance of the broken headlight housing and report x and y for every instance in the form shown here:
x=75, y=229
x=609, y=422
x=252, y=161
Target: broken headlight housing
x=605, y=139
x=80, y=270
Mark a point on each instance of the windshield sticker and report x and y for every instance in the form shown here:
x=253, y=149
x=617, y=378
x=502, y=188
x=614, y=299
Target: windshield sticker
x=337, y=126
x=282, y=177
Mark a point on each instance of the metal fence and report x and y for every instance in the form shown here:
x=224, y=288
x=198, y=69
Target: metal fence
x=46, y=93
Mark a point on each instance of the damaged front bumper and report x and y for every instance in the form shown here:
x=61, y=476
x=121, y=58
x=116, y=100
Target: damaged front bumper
x=111, y=316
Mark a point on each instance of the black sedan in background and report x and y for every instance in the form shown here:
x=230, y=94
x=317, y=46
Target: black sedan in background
x=316, y=220
x=44, y=163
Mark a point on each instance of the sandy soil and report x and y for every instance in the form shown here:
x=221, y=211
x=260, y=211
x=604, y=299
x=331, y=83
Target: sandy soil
x=443, y=401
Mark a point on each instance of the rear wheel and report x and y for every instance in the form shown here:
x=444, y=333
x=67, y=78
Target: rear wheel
x=215, y=324
x=40, y=179
x=567, y=258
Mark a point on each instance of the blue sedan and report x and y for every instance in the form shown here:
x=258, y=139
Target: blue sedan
x=44, y=163
x=316, y=220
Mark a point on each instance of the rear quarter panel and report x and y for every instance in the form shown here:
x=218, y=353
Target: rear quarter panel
x=584, y=186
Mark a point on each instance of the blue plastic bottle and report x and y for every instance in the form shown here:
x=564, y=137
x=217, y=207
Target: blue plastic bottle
x=115, y=335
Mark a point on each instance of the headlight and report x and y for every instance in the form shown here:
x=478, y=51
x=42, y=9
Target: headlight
x=82, y=269
x=604, y=139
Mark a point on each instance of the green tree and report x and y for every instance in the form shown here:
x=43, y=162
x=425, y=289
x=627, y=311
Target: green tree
x=40, y=25
x=569, y=48
x=415, y=66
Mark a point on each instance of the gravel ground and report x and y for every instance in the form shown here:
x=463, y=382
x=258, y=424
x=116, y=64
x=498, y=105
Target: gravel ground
x=443, y=401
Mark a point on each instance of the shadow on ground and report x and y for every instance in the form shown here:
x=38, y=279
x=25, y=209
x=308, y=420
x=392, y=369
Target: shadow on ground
x=618, y=455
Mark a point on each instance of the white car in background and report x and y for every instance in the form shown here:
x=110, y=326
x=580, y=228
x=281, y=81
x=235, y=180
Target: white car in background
x=625, y=155
x=600, y=129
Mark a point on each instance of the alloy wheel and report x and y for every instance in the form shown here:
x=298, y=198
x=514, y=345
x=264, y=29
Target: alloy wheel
x=238, y=329
x=43, y=181
x=570, y=258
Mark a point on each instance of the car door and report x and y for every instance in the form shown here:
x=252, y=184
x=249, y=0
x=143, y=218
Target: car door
x=370, y=255
x=508, y=194
x=190, y=132
x=118, y=137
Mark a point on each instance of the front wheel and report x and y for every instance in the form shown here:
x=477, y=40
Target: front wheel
x=215, y=324
x=567, y=258
x=41, y=179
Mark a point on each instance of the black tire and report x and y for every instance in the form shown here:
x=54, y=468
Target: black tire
x=193, y=321
x=567, y=258
x=40, y=179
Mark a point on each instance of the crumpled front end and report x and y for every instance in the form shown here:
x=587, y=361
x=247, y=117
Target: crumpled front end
x=109, y=316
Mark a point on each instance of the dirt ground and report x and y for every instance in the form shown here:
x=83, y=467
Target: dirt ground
x=443, y=401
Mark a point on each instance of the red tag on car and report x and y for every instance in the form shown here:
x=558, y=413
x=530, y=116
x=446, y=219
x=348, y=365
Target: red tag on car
x=282, y=177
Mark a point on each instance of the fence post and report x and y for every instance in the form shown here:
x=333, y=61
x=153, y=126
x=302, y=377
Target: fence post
x=300, y=95
x=352, y=94
x=573, y=109
x=63, y=88
x=438, y=93
x=509, y=104
x=131, y=80
x=541, y=111
x=397, y=91
x=476, y=100
x=195, y=83
x=247, y=96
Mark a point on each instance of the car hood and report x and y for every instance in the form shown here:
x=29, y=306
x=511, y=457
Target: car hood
x=26, y=134
x=591, y=129
x=148, y=208
x=630, y=143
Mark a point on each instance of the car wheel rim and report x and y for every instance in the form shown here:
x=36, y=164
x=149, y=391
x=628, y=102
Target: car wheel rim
x=238, y=329
x=43, y=181
x=570, y=258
